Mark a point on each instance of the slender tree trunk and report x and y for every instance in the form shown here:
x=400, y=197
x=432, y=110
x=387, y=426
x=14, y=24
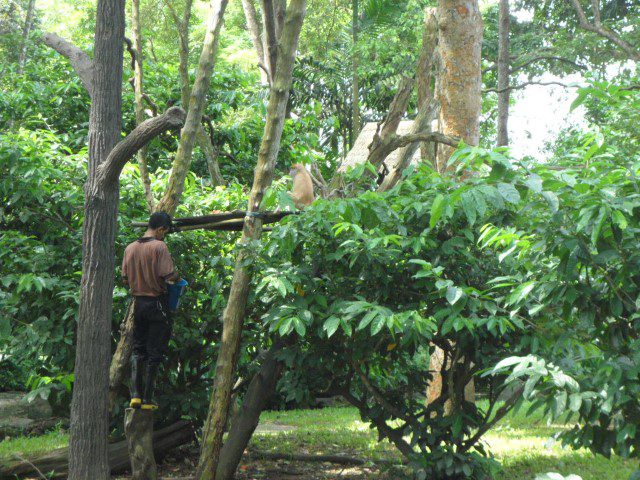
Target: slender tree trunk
x=270, y=37
x=137, y=86
x=260, y=390
x=503, y=75
x=26, y=29
x=197, y=100
x=355, y=93
x=460, y=81
x=88, y=447
x=233, y=316
x=253, y=26
x=424, y=75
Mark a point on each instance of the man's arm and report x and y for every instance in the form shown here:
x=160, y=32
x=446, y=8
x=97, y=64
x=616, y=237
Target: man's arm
x=165, y=265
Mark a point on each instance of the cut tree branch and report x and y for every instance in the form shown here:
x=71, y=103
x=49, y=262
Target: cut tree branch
x=80, y=61
x=173, y=118
x=599, y=29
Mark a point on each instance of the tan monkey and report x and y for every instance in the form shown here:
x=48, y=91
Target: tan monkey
x=302, y=193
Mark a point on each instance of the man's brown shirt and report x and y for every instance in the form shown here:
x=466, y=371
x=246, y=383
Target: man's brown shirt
x=146, y=265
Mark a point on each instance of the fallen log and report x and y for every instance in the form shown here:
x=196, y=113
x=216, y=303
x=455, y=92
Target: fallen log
x=57, y=461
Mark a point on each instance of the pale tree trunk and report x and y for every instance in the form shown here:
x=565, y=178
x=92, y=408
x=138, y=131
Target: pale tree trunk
x=270, y=39
x=26, y=29
x=253, y=26
x=424, y=74
x=460, y=80
x=197, y=100
x=202, y=139
x=89, y=406
x=233, y=316
x=139, y=106
x=427, y=108
x=503, y=74
x=355, y=89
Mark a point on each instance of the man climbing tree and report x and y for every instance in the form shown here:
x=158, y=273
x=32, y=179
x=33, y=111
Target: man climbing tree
x=146, y=268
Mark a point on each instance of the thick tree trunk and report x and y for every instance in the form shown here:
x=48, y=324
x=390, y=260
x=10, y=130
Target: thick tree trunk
x=197, y=100
x=138, y=428
x=503, y=74
x=137, y=86
x=88, y=452
x=355, y=89
x=26, y=29
x=260, y=390
x=233, y=316
x=460, y=81
x=253, y=26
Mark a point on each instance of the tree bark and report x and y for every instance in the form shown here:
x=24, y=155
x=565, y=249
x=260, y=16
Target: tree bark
x=424, y=73
x=270, y=37
x=26, y=29
x=460, y=81
x=120, y=359
x=88, y=447
x=503, y=74
x=233, y=316
x=253, y=26
x=139, y=106
x=355, y=89
x=197, y=100
x=138, y=428
x=260, y=390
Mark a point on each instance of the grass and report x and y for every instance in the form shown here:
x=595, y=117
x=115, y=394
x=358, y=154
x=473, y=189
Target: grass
x=520, y=443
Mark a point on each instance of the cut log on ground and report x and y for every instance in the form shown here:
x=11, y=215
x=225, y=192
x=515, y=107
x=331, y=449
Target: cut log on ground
x=338, y=459
x=57, y=461
x=138, y=428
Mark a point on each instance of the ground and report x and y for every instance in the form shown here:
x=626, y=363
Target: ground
x=521, y=444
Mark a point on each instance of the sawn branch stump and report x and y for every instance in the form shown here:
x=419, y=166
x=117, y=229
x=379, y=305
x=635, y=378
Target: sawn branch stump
x=138, y=428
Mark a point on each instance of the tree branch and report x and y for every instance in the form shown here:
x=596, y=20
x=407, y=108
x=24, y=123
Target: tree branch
x=526, y=84
x=537, y=59
x=80, y=61
x=110, y=170
x=599, y=29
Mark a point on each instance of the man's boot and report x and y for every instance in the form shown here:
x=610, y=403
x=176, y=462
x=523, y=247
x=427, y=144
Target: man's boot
x=147, y=399
x=137, y=381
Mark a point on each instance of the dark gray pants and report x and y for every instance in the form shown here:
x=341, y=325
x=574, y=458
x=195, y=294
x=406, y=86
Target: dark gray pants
x=151, y=328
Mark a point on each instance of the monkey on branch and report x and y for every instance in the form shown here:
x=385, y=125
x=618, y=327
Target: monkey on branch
x=302, y=192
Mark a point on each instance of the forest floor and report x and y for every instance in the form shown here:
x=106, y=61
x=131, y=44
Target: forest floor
x=521, y=444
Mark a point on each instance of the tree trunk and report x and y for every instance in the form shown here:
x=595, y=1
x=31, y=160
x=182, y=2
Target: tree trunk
x=355, y=92
x=503, y=75
x=121, y=356
x=233, y=316
x=138, y=428
x=26, y=29
x=88, y=452
x=460, y=81
x=197, y=100
x=253, y=26
x=270, y=41
x=260, y=390
x=424, y=74
x=137, y=86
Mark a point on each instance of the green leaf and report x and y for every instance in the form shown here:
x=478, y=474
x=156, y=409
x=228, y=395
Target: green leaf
x=534, y=182
x=377, y=324
x=509, y=192
x=469, y=207
x=552, y=200
x=437, y=207
x=331, y=325
x=575, y=401
x=454, y=294
x=597, y=225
